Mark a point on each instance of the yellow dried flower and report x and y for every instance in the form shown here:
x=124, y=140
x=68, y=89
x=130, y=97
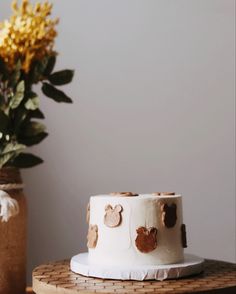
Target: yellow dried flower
x=28, y=35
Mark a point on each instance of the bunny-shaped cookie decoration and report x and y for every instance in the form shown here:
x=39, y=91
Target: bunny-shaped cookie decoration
x=92, y=236
x=169, y=214
x=146, y=240
x=112, y=217
x=183, y=236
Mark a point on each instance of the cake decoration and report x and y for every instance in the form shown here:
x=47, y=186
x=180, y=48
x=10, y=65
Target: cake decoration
x=146, y=240
x=88, y=213
x=183, y=236
x=113, y=217
x=169, y=215
x=124, y=194
x=163, y=193
x=119, y=236
x=92, y=236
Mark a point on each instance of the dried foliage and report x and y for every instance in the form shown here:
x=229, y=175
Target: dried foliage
x=27, y=57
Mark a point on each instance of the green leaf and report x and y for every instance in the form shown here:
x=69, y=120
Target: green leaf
x=20, y=115
x=55, y=94
x=15, y=75
x=37, y=70
x=30, y=141
x=26, y=160
x=5, y=158
x=4, y=122
x=13, y=147
x=36, y=114
x=19, y=95
x=61, y=77
x=32, y=103
x=32, y=128
x=50, y=65
x=31, y=133
x=10, y=151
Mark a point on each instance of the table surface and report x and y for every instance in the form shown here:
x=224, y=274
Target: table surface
x=56, y=277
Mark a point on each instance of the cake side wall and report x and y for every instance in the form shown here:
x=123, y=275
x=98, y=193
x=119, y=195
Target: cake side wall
x=117, y=245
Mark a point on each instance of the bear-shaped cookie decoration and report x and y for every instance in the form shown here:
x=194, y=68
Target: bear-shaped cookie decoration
x=123, y=194
x=112, y=217
x=146, y=240
x=169, y=214
x=92, y=236
x=88, y=213
x=183, y=236
x=163, y=193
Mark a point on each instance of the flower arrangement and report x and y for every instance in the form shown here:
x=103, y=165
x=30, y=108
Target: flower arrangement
x=27, y=57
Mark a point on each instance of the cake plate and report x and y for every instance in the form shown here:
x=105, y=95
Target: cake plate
x=191, y=265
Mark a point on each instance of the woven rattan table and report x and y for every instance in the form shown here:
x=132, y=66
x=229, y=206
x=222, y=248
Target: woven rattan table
x=56, y=277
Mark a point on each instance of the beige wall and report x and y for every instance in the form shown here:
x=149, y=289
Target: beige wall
x=154, y=110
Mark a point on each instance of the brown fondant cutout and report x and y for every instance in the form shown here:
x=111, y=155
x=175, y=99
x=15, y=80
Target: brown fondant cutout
x=146, y=240
x=124, y=194
x=169, y=215
x=92, y=236
x=163, y=193
x=88, y=213
x=183, y=236
x=112, y=216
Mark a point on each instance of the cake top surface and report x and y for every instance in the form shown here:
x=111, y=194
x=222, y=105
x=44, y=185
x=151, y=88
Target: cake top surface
x=129, y=195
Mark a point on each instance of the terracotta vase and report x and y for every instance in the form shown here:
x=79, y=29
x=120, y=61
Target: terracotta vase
x=13, y=239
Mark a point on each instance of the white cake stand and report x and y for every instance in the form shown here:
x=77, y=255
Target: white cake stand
x=190, y=266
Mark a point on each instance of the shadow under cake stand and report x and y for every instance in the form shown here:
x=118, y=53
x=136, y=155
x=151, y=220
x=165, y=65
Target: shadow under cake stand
x=56, y=277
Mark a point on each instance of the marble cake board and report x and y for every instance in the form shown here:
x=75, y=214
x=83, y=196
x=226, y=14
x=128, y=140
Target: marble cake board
x=191, y=265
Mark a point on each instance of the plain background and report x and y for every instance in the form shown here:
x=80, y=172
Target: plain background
x=154, y=101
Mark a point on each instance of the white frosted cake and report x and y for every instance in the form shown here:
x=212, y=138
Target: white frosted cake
x=131, y=229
